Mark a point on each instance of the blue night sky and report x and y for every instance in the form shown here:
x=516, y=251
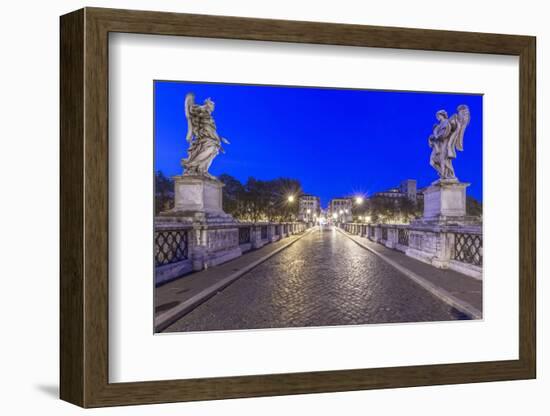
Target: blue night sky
x=337, y=142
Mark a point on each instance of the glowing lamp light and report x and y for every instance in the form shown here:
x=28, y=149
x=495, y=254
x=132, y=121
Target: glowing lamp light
x=359, y=200
x=291, y=198
x=335, y=215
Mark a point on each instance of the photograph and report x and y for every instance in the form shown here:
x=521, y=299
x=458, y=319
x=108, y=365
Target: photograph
x=282, y=206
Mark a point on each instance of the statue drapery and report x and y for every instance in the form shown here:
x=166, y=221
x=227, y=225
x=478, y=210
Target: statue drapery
x=204, y=141
x=447, y=137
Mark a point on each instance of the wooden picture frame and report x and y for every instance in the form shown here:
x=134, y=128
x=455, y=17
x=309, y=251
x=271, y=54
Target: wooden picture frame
x=84, y=207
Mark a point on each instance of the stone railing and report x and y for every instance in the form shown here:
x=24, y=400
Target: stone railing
x=456, y=247
x=467, y=247
x=171, y=246
x=265, y=233
x=180, y=248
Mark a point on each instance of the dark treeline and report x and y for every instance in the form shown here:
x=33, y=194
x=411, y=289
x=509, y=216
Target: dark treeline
x=386, y=210
x=164, y=192
x=402, y=210
x=255, y=200
x=258, y=200
x=474, y=207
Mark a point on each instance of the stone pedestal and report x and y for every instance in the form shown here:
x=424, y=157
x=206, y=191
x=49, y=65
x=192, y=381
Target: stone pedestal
x=198, y=199
x=195, y=193
x=432, y=237
x=214, y=238
x=445, y=200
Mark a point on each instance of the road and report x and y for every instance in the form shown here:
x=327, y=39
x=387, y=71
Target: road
x=322, y=279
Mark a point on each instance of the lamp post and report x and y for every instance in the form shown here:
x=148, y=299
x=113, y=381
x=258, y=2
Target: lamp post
x=290, y=200
x=359, y=199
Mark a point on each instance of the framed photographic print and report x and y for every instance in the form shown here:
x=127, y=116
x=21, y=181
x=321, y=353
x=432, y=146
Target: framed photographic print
x=256, y=207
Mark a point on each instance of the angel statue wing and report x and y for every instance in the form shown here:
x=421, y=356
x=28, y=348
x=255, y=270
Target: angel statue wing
x=189, y=103
x=462, y=119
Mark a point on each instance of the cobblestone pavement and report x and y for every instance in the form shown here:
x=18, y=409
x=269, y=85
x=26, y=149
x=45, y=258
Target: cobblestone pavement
x=323, y=279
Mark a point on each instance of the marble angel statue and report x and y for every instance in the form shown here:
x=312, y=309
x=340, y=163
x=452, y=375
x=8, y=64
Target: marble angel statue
x=204, y=141
x=447, y=137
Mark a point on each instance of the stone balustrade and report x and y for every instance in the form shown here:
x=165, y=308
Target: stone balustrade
x=181, y=248
x=456, y=247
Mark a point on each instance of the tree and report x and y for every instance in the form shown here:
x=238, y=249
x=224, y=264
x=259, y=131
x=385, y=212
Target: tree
x=256, y=200
x=402, y=210
x=164, y=192
x=233, y=195
x=390, y=210
x=280, y=207
x=259, y=200
x=473, y=207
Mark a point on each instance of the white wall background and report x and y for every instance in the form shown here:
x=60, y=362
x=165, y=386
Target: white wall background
x=29, y=208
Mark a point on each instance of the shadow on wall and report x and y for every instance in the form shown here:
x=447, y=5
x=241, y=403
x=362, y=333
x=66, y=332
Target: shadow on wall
x=49, y=390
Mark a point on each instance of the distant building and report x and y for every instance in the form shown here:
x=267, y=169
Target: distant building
x=340, y=209
x=407, y=189
x=309, y=207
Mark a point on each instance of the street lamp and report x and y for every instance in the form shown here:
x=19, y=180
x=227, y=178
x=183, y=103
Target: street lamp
x=359, y=200
x=290, y=198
